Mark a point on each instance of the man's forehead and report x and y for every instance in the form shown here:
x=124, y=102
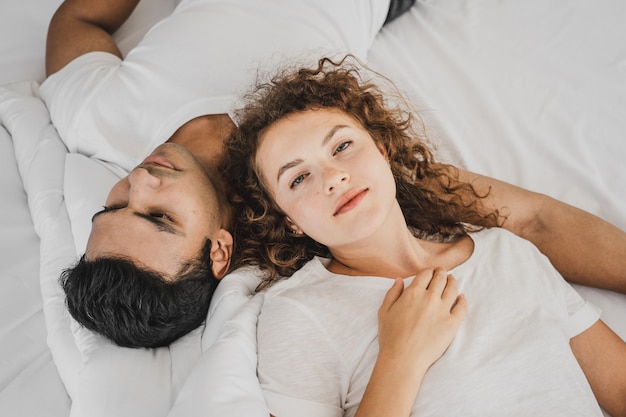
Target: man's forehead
x=123, y=233
x=158, y=251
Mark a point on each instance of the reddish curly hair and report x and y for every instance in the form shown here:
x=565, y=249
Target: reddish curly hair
x=435, y=203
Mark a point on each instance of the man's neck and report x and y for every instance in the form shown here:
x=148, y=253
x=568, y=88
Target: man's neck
x=204, y=136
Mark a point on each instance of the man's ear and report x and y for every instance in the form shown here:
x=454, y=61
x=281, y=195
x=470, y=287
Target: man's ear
x=221, y=253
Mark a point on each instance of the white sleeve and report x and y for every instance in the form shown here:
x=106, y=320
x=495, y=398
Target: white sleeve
x=298, y=368
x=67, y=92
x=96, y=107
x=578, y=314
x=582, y=313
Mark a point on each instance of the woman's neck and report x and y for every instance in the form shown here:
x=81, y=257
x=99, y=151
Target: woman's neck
x=395, y=252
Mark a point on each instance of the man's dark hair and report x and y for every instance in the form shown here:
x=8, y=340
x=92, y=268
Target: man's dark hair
x=134, y=306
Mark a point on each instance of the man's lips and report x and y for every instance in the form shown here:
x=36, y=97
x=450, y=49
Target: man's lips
x=158, y=160
x=350, y=200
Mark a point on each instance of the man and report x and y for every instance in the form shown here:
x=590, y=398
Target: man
x=156, y=252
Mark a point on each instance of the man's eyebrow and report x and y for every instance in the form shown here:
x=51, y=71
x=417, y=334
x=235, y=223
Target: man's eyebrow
x=159, y=224
x=295, y=162
x=104, y=210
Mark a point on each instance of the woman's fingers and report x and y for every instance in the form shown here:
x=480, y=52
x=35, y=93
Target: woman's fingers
x=418, y=322
x=450, y=292
x=459, y=309
x=422, y=279
x=434, y=282
x=393, y=294
x=439, y=280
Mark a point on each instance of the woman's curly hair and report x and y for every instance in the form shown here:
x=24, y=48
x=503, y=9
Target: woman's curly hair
x=435, y=203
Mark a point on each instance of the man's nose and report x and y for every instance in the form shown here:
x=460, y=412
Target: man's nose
x=141, y=179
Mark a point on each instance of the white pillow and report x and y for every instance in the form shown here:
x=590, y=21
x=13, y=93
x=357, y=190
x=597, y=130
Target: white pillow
x=224, y=381
x=86, y=185
x=40, y=156
x=129, y=382
x=64, y=190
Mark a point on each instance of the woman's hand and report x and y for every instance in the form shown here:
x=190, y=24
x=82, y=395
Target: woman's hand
x=419, y=322
x=416, y=325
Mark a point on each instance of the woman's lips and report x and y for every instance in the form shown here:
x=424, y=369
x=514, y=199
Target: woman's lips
x=350, y=200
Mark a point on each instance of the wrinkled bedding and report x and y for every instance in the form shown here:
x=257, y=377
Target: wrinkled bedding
x=541, y=108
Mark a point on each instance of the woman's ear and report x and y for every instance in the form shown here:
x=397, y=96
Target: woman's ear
x=221, y=253
x=383, y=151
x=293, y=227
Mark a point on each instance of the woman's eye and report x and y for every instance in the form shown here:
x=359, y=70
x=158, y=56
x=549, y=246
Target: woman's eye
x=298, y=180
x=343, y=146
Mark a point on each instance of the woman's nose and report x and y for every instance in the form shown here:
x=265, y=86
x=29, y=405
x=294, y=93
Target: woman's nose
x=334, y=178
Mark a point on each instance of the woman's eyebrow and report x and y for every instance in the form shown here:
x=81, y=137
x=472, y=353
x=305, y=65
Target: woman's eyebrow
x=295, y=162
x=287, y=166
x=332, y=132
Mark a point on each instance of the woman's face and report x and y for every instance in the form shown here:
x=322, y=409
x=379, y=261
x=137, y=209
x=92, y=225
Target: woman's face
x=323, y=169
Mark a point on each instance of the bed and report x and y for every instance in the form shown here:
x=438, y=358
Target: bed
x=530, y=92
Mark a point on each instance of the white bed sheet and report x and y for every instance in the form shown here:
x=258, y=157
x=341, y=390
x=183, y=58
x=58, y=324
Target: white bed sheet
x=30, y=384
x=29, y=381
x=531, y=92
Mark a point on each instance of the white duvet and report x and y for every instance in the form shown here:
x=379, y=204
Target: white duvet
x=103, y=379
x=530, y=92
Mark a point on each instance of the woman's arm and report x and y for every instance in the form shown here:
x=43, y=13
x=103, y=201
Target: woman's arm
x=416, y=326
x=584, y=248
x=602, y=356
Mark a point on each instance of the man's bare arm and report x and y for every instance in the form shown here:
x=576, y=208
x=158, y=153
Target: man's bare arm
x=82, y=26
x=584, y=248
x=602, y=357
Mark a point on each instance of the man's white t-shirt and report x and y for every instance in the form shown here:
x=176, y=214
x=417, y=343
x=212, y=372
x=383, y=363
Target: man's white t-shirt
x=195, y=62
x=317, y=340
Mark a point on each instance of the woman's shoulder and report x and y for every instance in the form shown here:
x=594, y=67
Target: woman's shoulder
x=312, y=273
x=498, y=236
x=498, y=243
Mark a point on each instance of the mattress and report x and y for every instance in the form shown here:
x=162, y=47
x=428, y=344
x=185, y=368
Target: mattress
x=533, y=93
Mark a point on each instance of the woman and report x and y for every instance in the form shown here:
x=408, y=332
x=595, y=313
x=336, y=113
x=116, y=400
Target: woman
x=338, y=192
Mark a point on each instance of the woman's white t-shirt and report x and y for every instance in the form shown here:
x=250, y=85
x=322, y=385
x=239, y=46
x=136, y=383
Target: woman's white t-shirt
x=317, y=340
